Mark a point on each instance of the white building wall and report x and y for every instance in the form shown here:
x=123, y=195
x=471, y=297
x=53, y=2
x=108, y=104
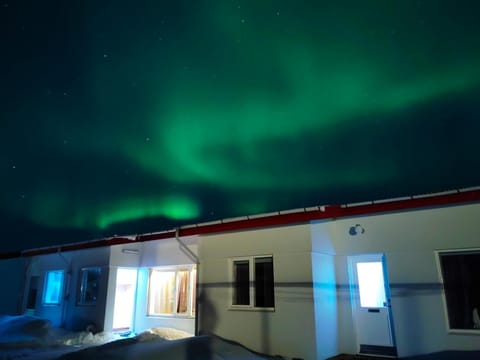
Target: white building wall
x=79, y=316
x=409, y=240
x=69, y=314
x=325, y=289
x=290, y=329
x=126, y=255
x=306, y=322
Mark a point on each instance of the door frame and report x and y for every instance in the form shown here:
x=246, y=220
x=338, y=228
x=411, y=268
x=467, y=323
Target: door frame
x=134, y=305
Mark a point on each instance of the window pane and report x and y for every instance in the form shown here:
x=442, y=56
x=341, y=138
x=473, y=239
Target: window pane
x=89, y=285
x=264, y=295
x=182, y=291
x=461, y=272
x=241, y=282
x=371, y=284
x=162, y=292
x=53, y=287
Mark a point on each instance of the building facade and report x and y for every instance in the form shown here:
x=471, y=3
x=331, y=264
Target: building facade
x=391, y=278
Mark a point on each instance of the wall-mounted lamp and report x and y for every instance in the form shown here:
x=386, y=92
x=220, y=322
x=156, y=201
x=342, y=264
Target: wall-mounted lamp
x=131, y=251
x=356, y=229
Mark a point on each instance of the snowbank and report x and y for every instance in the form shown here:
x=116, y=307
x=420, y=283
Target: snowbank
x=31, y=338
x=162, y=333
x=190, y=348
x=23, y=331
x=87, y=338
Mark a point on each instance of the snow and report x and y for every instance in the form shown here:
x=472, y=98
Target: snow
x=23, y=331
x=199, y=347
x=163, y=333
x=31, y=338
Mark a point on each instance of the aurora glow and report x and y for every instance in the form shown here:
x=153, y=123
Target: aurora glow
x=135, y=117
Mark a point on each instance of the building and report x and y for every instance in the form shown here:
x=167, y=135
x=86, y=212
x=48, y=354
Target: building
x=394, y=277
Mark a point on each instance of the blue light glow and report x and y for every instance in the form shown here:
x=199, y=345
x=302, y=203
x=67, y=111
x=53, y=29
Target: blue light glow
x=53, y=287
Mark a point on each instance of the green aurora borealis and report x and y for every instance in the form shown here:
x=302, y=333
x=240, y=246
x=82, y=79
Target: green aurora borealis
x=127, y=117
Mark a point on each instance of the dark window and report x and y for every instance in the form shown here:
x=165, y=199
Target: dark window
x=253, y=284
x=264, y=282
x=241, y=289
x=32, y=292
x=89, y=285
x=461, y=274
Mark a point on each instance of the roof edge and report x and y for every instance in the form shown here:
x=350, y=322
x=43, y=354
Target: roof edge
x=280, y=218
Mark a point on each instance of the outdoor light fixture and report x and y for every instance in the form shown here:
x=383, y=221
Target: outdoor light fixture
x=130, y=251
x=356, y=229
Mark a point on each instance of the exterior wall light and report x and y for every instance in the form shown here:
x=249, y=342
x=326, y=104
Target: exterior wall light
x=356, y=229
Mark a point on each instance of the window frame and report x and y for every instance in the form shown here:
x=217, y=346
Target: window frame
x=82, y=289
x=191, y=290
x=252, y=283
x=438, y=254
x=45, y=288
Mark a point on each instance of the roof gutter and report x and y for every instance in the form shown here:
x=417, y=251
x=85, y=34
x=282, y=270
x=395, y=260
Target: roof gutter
x=281, y=218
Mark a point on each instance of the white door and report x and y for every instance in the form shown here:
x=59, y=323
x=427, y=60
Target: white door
x=125, y=294
x=371, y=305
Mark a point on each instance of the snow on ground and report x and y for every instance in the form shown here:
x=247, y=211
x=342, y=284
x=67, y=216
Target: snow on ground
x=31, y=338
x=192, y=348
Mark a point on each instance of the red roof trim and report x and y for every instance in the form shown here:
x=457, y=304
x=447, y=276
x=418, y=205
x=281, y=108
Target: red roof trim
x=334, y=212
x=327, y=212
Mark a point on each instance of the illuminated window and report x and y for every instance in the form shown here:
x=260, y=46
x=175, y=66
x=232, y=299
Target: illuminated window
x=371, y=284
x=89, y=285
x=461, y=274
x=252, y=282
x=172, y=291
x=52, y=289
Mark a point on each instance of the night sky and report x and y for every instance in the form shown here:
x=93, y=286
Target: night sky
x=125, y=117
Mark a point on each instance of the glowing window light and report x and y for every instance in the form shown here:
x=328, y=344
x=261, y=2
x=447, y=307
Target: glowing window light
x=371, y=284
x=52, y=292
x=172, y=291
x=162, y=287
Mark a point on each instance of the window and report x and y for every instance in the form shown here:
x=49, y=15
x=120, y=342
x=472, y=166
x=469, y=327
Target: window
x=52, y=289
x=172, y=291
x=461, y=274
x=252, y=282
x=371, y=284
x=89, y=285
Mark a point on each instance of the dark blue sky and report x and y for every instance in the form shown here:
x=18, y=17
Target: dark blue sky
x=126, y=117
